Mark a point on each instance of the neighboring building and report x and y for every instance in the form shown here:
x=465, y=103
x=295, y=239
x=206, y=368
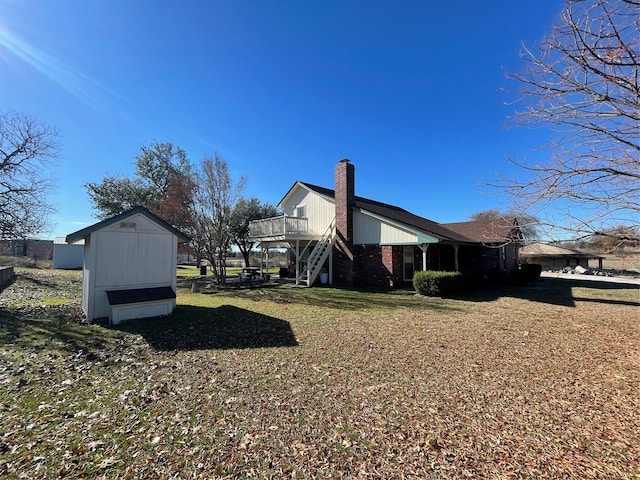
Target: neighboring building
x=129, y=268
x=36, y=249
x=553, y=257
x=67, y=257
x=357, y=241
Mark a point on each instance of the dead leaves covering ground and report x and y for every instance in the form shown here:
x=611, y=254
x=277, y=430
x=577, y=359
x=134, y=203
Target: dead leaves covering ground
x=376, y=385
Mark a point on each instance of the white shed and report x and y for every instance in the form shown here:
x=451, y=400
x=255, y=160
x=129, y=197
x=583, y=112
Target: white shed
x=65, y=256
x=129, y=268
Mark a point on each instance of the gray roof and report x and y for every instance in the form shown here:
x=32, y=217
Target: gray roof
x=85, y=232
x=442, y=232
x=488, y=231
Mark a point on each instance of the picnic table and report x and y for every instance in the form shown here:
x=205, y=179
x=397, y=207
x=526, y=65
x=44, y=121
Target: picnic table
x=251, y=273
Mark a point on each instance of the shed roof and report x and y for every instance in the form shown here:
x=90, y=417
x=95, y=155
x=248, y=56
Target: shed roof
x=63, y=241
x=85, y=232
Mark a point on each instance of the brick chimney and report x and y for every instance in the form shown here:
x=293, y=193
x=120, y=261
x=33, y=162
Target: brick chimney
x=345, y=196
x=344, y=201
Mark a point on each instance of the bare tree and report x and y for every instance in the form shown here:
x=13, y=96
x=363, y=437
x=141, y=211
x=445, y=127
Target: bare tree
x=215, y=198
x=526, y=223
x=582, y=81
x=615, y=241
x=27, y=147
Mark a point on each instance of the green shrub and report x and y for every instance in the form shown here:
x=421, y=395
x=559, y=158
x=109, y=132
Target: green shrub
x=434, y=283
x=437, y=284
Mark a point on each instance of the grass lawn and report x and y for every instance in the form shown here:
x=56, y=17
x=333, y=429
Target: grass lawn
x=538, y=382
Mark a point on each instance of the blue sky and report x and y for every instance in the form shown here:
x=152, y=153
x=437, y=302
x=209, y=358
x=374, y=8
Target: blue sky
x=410, y=91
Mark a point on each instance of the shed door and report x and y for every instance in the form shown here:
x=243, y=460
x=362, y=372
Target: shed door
x=408, y=263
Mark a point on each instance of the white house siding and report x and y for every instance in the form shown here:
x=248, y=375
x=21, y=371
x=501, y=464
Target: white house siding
x=125, y=255
x=319, y=210
x=369, y=230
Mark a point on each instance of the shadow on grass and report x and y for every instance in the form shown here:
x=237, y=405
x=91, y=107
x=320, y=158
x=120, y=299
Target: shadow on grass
x=223, y=327
x=29, y=279
x=55, y=328
x=340, y=297
x=555, y=291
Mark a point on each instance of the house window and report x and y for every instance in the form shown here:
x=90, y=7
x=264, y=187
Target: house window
x=301, y=211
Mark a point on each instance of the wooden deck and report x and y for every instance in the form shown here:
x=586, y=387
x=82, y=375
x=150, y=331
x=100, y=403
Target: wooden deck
x=280, y=229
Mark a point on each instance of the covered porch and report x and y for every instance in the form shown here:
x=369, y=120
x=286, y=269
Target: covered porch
x=395, y=265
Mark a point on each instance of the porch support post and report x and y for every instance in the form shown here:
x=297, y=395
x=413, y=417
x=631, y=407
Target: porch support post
x=331, y=265
x=424, y=247
x=297, y=262
x=455, y=257
x=261, y=255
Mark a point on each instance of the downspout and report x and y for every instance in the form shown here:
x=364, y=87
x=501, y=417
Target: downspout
x=331, y=265
x=456, y=246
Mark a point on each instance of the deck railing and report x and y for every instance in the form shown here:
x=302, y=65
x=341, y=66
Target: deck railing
x=277, y=226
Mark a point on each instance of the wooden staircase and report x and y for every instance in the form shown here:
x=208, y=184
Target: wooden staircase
x=318, y=256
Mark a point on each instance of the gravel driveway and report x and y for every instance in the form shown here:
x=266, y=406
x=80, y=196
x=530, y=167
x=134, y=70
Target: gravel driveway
x=595, y=278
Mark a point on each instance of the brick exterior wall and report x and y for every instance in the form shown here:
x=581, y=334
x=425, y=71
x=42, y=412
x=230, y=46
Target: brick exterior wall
x=378, y=266
x=343, y=253
x=37, y=249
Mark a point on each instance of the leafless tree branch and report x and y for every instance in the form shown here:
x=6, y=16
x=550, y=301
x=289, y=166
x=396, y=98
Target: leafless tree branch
x=27, y=148
x=583, y=82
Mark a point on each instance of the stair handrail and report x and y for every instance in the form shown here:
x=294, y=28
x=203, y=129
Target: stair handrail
x=326, y=239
